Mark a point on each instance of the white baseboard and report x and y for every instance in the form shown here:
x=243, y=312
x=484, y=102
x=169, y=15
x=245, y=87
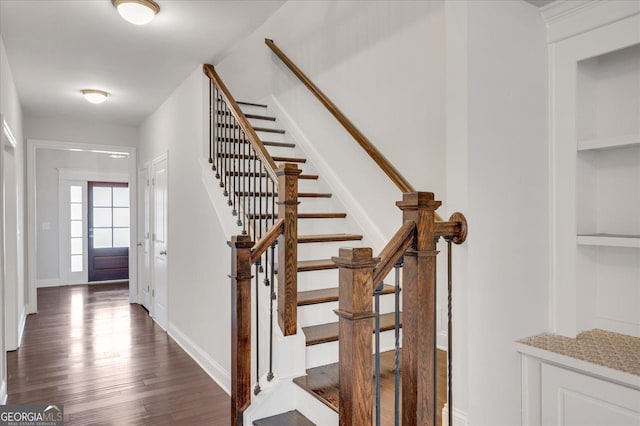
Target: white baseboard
x=3, y=393
x=459, y=416
x=48, y=282
x=221, y=376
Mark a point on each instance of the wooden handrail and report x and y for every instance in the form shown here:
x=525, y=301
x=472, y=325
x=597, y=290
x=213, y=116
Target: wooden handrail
x=267, y=239
x=255, y=141
x=393, y=251
x=400, y=181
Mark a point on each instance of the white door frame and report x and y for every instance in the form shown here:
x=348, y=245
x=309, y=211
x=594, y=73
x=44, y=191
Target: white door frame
x=33, y=145
x=144, y=236
x=164, y=323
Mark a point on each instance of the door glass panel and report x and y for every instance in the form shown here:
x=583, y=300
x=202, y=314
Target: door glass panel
x=102, y=217
x=76, y=211
x=76, y=246
x=120, y=197
x=102, y=238
x=101, y=196
x=76, y=194
x=76, y=263
x=121, y=217
x=76, y=228
x=121, y=237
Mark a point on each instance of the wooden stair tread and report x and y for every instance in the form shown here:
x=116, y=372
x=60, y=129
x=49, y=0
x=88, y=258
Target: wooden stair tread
x=290, y=418
x=268, y=130
x=265, y=143
x=323, y=238
x=254, y=174
x=289, y=159
x=325, y=333
x=254, y=116
x=268, y=194
x=315, y=265
x=251, y=104
x=255, y=157
x=324, y=295
x=302, y=216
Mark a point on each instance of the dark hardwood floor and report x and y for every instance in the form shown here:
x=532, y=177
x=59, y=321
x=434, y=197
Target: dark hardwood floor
x=108, y=363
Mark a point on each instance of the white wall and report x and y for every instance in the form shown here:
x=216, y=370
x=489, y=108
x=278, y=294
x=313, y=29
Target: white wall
x=64, y=130
x=382, y=63
x=508, y=196
x=198, y=256
x=13, y=310
x=48, y=161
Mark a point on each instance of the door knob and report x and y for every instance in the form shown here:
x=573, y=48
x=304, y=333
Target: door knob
x=163, y=252
x=139, y=244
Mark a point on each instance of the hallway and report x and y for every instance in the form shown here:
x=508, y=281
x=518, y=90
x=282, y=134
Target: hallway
x=108, y=363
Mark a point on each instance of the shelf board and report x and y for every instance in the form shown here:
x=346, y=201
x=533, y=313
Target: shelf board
x=609, y=240
x=599, y=144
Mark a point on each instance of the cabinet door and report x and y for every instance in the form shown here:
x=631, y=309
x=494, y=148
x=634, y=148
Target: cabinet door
x=574, y=399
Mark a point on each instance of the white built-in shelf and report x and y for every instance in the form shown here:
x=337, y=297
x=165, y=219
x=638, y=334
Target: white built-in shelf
x=609, y=143
x=609, y=240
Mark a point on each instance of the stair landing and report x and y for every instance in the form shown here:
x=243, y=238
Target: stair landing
x=322, y=382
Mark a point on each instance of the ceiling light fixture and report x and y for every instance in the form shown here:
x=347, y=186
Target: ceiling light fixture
x=95, y=96
x=138, y=12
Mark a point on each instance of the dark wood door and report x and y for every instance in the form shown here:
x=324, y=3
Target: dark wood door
x=108, y=220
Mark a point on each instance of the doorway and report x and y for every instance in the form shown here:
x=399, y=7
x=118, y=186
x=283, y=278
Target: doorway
x=54, y=257
x=159, y=183
x=108, y=226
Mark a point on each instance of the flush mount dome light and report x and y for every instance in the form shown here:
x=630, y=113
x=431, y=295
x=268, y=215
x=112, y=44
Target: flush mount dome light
x=138, y=12
x=95, y=96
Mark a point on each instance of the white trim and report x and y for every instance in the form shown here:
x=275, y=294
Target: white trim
x=221, y=376
x=48, y=282
x=3, y=393
x=21, y=324
x=93, y=175
x=346, y=197
x=459, y=416
x=32, y=146
x=8, y=133
x=566, y=19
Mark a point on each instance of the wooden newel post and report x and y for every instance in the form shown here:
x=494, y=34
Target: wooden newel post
x=240, y=326
x=419, y=307
x=355, y=327
x=288, y=248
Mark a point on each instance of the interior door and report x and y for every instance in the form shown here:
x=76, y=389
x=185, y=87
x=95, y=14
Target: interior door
x=160, y=188
x=108, y=222
x=144, y=242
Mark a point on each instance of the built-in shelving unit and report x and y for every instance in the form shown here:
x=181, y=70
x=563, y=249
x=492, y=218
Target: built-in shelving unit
x=571, y=375
x=625, y=141
x=609, y=240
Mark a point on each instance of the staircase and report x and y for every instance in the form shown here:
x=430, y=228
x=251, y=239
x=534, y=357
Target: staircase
x=329, y=286
x=323, y=228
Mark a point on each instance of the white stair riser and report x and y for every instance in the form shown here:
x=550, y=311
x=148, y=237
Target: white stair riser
x=327, y=353
x=322, y=313
x=325, y=250
x=250, y=109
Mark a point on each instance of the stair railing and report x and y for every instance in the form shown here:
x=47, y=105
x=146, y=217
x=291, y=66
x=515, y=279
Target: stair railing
x=264, y=198
x=412, y=249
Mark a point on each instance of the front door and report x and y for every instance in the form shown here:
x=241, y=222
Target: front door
x=160, y=187
x=108, y=220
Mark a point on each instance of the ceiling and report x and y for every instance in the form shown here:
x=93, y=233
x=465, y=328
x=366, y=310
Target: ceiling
x=56, y=48
x=540, y=3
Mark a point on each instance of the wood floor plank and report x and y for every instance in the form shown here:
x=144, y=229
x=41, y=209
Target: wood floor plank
x=108, y=362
